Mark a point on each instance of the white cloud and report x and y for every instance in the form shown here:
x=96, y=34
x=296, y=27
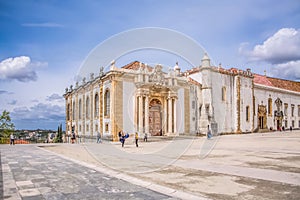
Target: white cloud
x=40, y=111
x=282, y=47
x=45, y=25
x=290, y=70
x=55, y=97
x=19, y=68
x=5, y=92
x=12, y=102
x=281, y=51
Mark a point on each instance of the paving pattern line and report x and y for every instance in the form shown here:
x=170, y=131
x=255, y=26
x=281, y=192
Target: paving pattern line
x=152, y=186
x=263, y=174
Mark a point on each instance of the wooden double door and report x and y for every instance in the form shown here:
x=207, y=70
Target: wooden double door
x=155, y=118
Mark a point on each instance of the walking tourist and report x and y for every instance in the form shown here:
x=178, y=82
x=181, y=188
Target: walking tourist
x=12, y=139
x=122, y=138
x=136, y=139
x=98, y=137
x=209, y=135
x=73, y=138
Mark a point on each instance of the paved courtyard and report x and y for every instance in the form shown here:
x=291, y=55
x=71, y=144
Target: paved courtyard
x=251, y=166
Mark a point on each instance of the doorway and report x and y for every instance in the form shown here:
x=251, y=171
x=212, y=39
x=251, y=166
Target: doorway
x=262, y=117
x=155, y=118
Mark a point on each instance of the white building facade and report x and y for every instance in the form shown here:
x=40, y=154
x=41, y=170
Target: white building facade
x=146, y=99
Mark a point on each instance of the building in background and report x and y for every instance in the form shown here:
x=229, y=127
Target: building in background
x=147, y=99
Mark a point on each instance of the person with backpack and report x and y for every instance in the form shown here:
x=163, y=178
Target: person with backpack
x=12, y=139
x=136, y=139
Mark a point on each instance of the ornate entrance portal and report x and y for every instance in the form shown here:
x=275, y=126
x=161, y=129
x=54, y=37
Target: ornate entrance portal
x=278, y=114
x=155, y=118
x=262, y=117
x=156, y=102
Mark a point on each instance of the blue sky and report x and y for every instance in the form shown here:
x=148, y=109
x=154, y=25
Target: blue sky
x=43, y=43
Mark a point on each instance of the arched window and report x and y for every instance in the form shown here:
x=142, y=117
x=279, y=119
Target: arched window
x=269, y=106
x=68, y=112
x=87, y=108
x=247, y=113
x=73, y=111
x=80, y=109
x=285, y=109
x=106, y=103
x=96, y=112
x=224, y=93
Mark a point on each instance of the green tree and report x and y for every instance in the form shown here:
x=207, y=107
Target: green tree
x=58, y=138
x=6, y=126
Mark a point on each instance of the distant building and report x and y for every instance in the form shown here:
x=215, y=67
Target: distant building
x=138, y=97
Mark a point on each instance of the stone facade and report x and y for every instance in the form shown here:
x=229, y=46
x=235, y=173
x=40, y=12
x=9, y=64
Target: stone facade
x=146, y=99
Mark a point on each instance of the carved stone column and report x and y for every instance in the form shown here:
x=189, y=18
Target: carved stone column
x=174, y=115
x=170, y=113
x=91, y=112
x=140, y=114
x=147, y=114
x=165, y=115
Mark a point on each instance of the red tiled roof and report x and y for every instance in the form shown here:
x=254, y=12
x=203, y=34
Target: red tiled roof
x=276, y=82
x=136, y=65
x=192, y=71
x=263, y=80
x=190, y=80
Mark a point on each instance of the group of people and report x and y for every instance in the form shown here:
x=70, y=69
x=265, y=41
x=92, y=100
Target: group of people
x=123, y=137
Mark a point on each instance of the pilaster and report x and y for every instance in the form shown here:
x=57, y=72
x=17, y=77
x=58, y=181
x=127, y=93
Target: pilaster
x=140, y=129
x=147, y=114
x=169, y=115
x=101, y=109
x=186, y=111
x=238, y=106
x=116, y=109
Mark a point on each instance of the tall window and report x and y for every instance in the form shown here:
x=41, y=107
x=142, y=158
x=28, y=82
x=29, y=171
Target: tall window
x=223, y=93
x=73, y=111
x=269, y=106
x=285, y=109
x=254, y=111
x=106, y=127
x=293, y=123
x=96, y=112
x=87, y=108
x=80, y=109
x=68, y=112
x=247, y=113
x=106, y=103
x=299, y=112
x=293, y=108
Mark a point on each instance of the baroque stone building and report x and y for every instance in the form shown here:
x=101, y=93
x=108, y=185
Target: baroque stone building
x=147, y=99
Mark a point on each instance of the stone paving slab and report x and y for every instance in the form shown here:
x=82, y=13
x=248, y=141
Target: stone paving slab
x=31, y=173
x=252, y=166
x=264, y=174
